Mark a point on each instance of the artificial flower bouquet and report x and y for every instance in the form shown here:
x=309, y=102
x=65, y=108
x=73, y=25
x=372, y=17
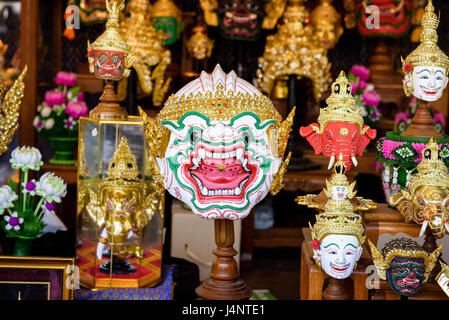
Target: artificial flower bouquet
x=23, y=207
x=367, y=99
x=59, y=113
x=403, y=119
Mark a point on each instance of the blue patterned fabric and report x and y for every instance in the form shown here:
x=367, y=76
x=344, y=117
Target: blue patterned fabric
x=161, y=292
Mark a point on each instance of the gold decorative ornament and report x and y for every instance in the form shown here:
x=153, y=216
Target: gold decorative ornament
x=332, y=223
x=10, y=107
x=8, y=75
x=327, y=23
x=151, y=58
x=199, y=45
x=166, y=8
x=443, y=278
x=278, y=179
x=294, y=50
x=341, y=106
x=402, y=247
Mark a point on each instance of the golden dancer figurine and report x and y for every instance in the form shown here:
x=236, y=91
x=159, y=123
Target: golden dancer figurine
x=338, y=196
x=10, y=107
x=151, y=58
x=120, y=211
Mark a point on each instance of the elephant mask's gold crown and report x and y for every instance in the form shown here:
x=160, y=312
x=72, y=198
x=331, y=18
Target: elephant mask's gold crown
x=334, y=223
x=402, y=247
x=341, y=105
x=431, y=170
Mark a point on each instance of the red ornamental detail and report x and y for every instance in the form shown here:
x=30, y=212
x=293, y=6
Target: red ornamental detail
x=316, y=244
x=408, y=68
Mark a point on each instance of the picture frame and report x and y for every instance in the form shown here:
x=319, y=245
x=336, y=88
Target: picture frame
x=37, y=278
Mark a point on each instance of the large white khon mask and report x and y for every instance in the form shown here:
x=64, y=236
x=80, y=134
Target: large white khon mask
x=220, y=146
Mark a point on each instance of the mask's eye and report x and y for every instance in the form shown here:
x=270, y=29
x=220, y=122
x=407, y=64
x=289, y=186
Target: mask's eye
x=402, y=272
x=252, y=6
x=115, y=60
x=328, y=137
x=102, y=59
x=246, y=136
x=195, y=136
x=420, y=201
x=230, y=6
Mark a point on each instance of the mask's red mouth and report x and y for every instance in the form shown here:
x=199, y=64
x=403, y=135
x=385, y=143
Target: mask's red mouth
x=220, y=172
x=406, y=282
x=339, y=270
x=430, y=93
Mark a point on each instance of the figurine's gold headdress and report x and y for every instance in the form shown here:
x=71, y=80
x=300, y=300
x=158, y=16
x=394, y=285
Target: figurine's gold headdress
x=431, y=170
x=428, y=53
x=344, y=224
x=402, y=247
x=123, y=164
x=341, y=106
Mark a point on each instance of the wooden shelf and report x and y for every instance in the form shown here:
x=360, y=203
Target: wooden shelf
x=67, y=173
x=278, y=237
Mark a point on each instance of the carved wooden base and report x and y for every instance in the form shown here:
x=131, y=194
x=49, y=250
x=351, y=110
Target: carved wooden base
x=224, y=282
x=422, y=125
x=335, y=290
x=109, y=108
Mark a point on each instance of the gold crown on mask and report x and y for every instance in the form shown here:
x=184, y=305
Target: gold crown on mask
x=218, y=105
x=123, y=164
x=431, y=170
x=402, y=247
x=341, y=105
x=339, y=178
x=428, y=53
x=111, y=40
x=334, y=223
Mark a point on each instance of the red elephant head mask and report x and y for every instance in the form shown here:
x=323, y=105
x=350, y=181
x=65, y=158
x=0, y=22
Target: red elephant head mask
x=340, y=128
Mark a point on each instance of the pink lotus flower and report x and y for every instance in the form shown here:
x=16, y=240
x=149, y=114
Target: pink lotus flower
x=363, y=84
x=54, y=98
x=77, y=109
x=80, y=96
x=66, y=79
x=371, y=98
x=355, y=87
x=419, y=147
x=387, y=148
x=401, y=116
x=360, y=72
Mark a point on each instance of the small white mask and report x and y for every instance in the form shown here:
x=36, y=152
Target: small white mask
x=427, y=83
x=338, y=254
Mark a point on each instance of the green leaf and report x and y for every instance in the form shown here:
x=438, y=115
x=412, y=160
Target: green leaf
x=352, y=77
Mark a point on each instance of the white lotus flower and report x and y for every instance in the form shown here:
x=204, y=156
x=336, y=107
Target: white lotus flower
x=51, y=188
x=49, y=123
x=25, y=158
x=13, y=222
x=46, y=111
x=7, y=196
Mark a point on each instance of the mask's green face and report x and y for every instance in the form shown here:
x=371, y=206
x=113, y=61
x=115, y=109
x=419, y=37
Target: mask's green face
x=406, y=275
x=169, y=27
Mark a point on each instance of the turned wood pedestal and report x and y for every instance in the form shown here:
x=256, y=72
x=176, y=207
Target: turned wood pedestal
x=224, y=282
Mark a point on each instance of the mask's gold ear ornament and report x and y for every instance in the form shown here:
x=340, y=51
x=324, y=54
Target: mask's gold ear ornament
x=278, y=179
x=156, y=135
x=284, y=132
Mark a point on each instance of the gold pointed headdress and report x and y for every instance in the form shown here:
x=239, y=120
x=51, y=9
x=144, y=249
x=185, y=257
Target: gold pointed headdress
x=402, y=247
x=123, y=164
x=166, y=8
x=111, y=39
x=431, y=170
x=428, y=53
x=341, y=105
x=332, y=223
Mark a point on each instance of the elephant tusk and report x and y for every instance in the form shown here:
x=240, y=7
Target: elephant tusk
x=331, y=162
x=354, y=160
x=423, y=228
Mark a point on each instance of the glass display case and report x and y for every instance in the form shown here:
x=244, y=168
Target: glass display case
x=119, y=214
